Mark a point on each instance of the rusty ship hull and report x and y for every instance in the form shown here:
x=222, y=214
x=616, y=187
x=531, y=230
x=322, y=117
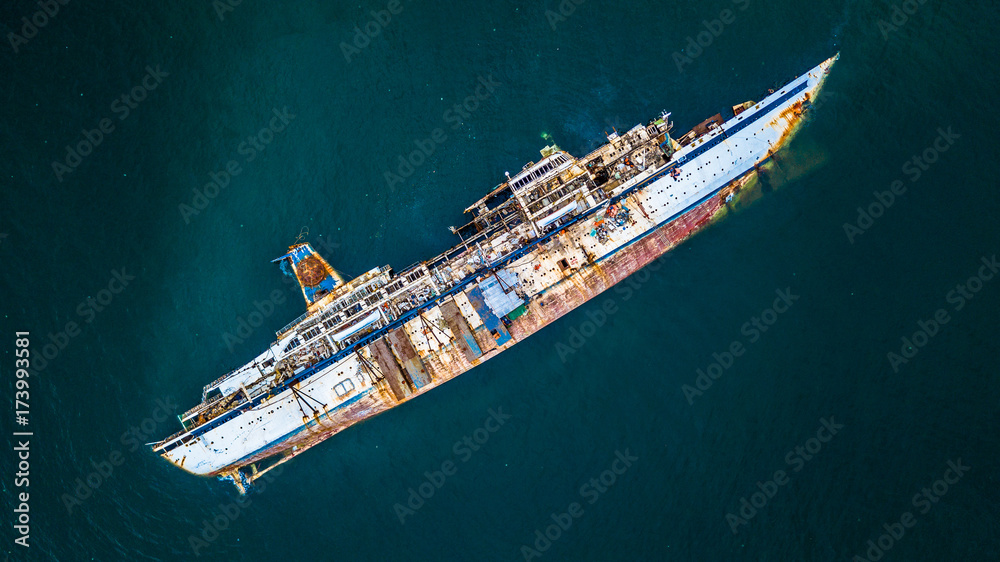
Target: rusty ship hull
x=544, y=242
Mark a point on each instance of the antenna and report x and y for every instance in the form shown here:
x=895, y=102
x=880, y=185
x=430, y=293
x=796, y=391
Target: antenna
x=303, y=234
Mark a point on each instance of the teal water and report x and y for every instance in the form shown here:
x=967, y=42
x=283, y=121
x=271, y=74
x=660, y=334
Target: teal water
x=607, y=65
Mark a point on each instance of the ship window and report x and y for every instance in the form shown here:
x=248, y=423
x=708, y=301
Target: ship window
x=344, y=388
x=292, y=345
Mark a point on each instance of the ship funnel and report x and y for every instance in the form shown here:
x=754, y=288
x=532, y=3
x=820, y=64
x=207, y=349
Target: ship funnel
x=313, y=273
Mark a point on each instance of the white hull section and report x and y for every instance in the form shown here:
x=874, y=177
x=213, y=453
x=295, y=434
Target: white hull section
x=274, y=420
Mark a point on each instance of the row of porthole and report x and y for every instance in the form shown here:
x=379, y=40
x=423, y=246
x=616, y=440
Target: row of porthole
x=259, y=418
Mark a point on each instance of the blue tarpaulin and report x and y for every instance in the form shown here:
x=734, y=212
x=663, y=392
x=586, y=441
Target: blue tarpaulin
x=498, y=291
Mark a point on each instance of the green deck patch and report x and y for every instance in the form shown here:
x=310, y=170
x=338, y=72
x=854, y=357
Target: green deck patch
x=517, y=312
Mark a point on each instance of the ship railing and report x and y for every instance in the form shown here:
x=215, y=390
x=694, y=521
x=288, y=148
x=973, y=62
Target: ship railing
x=200, y=408
x=223, y=377
x=458, y=249
x=291, y=324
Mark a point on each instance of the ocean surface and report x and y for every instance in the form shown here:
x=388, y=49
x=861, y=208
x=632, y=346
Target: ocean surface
x=863, y=406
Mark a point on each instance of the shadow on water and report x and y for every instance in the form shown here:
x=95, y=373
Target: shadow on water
x=764, y=177
x=794, y=162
